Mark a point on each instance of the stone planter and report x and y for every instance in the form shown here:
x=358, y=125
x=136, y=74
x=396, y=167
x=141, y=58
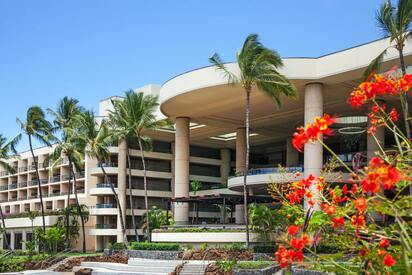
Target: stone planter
x=265, y=271
x=154, y=254
x=301, y=271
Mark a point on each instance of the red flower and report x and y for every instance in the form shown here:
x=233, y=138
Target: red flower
x=299, y=244
x=388, y=260
x=379, y=173
x=384, y=243
x=312, y=131
x=394, y=115
x=293, y=230
x=361, y=204
x=358, y=220
x=405, y=83
x=338, y=222
x=329, y=209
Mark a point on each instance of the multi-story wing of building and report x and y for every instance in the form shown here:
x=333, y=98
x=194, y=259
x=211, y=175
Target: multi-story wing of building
x=206, y=143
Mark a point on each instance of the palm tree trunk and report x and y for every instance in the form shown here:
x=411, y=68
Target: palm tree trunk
x=38, y=184
x=67, y=240
x=4, y=229
x=119, y=207
x=405, y=97
x=146, y=204
x=130, y=194
x=245, y=192
x=79, y=209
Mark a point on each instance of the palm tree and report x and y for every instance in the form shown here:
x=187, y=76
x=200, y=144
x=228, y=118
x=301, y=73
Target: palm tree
x=64, y=121
x=258, y=69
x=133, y=117
x=98, y=139
x=394, y=23
x=6, y=149
x=36, y=126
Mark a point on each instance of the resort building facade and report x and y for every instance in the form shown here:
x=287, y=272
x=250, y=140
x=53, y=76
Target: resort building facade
x=208, y=143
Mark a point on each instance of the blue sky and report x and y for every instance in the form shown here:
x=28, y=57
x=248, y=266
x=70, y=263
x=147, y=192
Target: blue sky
x=93, y=49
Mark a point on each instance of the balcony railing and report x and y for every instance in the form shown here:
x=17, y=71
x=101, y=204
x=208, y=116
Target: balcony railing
x=32, y=167
x=44, y=181
x=12, y=186
x=32, y=196
x=107, y=164
x=106, y=205
x=105, y=226
x=264, y=171
x=106, y=185
x=65, y=177
x=55, y=194
x=23, y=184
x=55, y=178
x=4, y=173
x=3, y=200
x=13, y=199
x=4, y=187
x=210, y=187
x=33, y=182
x=22, y=169
x=23, y=197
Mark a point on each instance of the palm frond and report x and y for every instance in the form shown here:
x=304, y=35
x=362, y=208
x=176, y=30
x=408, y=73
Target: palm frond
x=375, y=65
x=217, y=62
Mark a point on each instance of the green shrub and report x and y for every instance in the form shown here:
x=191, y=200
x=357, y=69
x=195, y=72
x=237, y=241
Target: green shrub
x=117, y=246
x=237, y=247
x=226, y=266
x=154, y=246
x=265, y=249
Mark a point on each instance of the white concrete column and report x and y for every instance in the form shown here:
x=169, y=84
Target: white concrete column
x=24, y=239
x=313, y=151
x=239, y=214
x=1, y=241
x=121, y=187
x=182, y=154
x=240, y=149
x=292, y=155
x=225, y=166
x=12, y=240
x=375, y=142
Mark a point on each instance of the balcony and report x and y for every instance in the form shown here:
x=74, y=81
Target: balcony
x=55, y=178
x=22, y=169
x=33, y=182
x=23, y=184
x=44, y=181
x=105, y=226
x=4, y=173
x=32, y=167
x=106, y=185
x=3, y=200
x=32, y=196
x=55, y=194
x=107, y=164
x=106, y=205
x=23, y=197
x=65, y=177
x=13, y=199
x=13, y=186
x=4, y=187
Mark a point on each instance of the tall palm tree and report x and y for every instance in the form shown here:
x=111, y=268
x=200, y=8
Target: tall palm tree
x=64, y=122
x=36, y=126
x=7, y=148
x=133, y=117
x=97, y=139
x=258, y=69
x=394, y=22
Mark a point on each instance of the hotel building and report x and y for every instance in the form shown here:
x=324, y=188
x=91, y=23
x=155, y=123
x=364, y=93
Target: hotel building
x=206, y=143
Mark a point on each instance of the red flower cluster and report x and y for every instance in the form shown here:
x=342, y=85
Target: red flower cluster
x=361, y=204
x=338, y=222
x=312, y=131
x=293, y=230
x=301, y=189
x=378, y=174
x=379, y=85
x=286, y=257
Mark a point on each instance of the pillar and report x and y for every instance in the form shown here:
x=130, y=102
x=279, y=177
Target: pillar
x=24, y=239
x=313, y=151
x=240, y=149
x=182, y=154
x=121, y=187
x=12, y=240
x=292, y=155
x=239, y=214
x=225, y=166
x=375, y=142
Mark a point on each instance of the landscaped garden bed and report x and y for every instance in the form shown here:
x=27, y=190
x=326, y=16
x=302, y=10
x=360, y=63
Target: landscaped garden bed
x=68, y=264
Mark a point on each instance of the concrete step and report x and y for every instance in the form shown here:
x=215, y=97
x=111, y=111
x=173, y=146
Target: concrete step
x=194, y=268
x=149, y=268
x=146, y=262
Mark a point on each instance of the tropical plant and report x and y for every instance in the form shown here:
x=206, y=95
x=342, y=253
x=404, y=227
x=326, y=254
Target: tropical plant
x=263, y=220
x=394, y=22
x=36, y=126
x=6, y=149
x=258, y=70
x=133, y=116
x=70, y=147
x=368, y=216
x=54, y=238
x=98, y=139
x=195, y=185
x=157, y=218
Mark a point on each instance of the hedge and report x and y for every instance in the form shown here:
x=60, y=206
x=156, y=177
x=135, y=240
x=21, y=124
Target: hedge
x=265, y=248
x=154, y=246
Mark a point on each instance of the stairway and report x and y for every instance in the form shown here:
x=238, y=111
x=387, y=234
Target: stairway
x=194, y=268
x=135, y=266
